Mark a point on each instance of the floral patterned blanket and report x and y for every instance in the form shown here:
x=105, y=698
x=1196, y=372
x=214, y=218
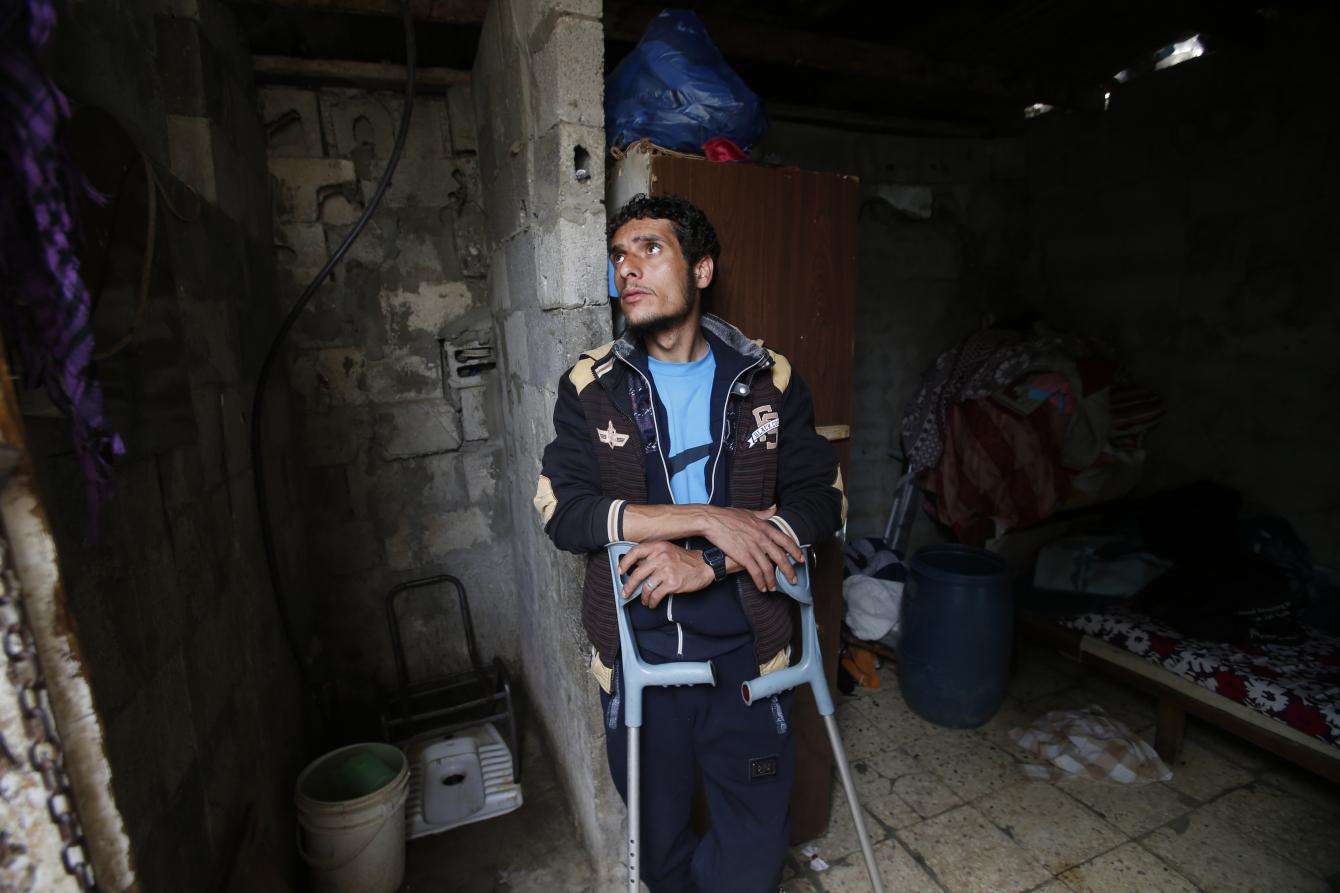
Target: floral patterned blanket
x=1298, y=685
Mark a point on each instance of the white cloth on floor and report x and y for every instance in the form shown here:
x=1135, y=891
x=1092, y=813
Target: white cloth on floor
x=1088, y=743
x=873, y=606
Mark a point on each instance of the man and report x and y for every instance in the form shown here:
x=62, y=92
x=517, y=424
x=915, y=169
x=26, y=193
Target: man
x=695, y=442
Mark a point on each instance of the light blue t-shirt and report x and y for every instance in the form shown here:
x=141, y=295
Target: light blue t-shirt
x=685, y=390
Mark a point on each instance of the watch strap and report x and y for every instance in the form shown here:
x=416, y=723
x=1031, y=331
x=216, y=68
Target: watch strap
x=716, y=560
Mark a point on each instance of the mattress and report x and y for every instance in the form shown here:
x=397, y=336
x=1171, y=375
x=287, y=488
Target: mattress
x=1294, y=685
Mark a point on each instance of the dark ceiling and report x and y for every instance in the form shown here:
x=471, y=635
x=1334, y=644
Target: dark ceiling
x=955, y=61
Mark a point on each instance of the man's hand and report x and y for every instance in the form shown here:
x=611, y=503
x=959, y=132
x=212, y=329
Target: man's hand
x=666, y=569
x=753, y=543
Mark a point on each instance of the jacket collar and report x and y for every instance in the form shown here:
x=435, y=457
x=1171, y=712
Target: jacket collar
x=629, y=348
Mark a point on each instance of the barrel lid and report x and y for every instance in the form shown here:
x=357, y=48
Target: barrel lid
x=952, y=562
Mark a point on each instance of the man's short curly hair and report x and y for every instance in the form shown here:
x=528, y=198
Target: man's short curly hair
x=697, y=238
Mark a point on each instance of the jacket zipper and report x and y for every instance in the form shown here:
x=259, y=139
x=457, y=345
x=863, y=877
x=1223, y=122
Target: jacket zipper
x=711, y=492
x=660, y=452
x=729, y=392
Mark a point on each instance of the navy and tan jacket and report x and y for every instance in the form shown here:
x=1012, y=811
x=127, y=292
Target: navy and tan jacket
x=608, y=452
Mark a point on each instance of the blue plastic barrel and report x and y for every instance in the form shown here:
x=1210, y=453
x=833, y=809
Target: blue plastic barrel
x=957, y=632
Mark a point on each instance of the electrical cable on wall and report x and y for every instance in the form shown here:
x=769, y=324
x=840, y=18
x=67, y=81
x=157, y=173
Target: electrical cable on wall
x=258, y=402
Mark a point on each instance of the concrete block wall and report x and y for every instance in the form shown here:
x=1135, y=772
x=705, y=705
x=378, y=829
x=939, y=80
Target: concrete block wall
x=940, y=237
x=537, y=91
x=1192, y=226
x=397, y=396
x=173, y=608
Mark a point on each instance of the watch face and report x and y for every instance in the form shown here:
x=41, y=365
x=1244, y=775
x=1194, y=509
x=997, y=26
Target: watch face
x=717, y=560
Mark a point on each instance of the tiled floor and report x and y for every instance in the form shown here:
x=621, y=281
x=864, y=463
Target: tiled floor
x=951, y=811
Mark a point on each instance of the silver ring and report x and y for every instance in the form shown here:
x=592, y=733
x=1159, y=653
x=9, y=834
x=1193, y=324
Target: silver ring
x=652, y=584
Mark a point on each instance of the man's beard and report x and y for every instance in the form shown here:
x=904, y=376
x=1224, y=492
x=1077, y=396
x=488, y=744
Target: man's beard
x=666, y=321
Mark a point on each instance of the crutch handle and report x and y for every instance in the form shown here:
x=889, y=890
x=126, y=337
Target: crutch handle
x=810, y=670
x=637, y=673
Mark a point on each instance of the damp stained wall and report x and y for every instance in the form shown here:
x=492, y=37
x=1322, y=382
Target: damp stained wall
x=396, y=393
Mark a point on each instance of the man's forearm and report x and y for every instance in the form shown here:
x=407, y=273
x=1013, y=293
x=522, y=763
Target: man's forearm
x=749, y=542
x=643, y=523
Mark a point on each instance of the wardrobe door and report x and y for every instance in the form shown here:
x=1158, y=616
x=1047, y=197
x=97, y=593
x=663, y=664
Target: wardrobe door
x=788, y=275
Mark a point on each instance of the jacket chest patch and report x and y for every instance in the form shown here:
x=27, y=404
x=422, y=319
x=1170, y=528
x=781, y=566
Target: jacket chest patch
x=611, y=437
x=768, y=422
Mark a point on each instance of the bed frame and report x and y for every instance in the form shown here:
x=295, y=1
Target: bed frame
x=1178, y=697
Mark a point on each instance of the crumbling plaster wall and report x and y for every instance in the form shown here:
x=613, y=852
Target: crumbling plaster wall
x=940, y=239
x=538, y=94
x=1193, y=227
x=401, y=452
x=198, y=695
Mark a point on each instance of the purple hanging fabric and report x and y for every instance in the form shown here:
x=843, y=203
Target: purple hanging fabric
x=44, y=305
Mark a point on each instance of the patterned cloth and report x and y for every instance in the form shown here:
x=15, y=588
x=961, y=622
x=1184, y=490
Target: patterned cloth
x=1088, y=743
x=1298, y=685
x=1009, y=428
x=986, y=361
x=43, y=302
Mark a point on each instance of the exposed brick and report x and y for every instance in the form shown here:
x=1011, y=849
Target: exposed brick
x=468, y=225
x=474, y=414
x=330, y=377
x=481, y=468
x=404, y=377
x=497, y=286
x=292, y=122
x=338, y=209
x=417, y=428
x=515, y=345
x=191, y=150
x=301, y=184
x=419, y=181
x=562, y=72
x=301, y=250
x=573, y=272
x=362, y=123
x=521, y=275
x=410, y=317
x=557, y=191
x=461, y=109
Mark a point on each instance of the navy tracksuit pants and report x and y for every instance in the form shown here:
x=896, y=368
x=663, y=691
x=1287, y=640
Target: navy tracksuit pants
x=747, y=759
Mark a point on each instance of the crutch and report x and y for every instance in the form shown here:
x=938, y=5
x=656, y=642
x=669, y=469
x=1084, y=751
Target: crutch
x=637, y=676
x=810, y=671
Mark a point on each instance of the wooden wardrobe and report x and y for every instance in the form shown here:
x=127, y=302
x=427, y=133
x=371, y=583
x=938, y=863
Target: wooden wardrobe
x=787, y=274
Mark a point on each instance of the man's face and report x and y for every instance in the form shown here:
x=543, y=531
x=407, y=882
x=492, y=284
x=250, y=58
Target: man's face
x=657, y=288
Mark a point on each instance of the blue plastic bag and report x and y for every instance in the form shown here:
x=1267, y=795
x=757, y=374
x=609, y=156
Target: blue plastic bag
x=676, y=89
